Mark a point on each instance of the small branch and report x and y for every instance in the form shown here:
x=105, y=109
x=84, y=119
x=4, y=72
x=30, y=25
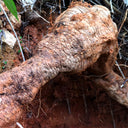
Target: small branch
x=124, y=19
x=19, y=125
x=68, y=104
x=120, y=70
x=121, y=65
x=42, y=17
x=115, y=9
x=112, y=10
x=113, y=120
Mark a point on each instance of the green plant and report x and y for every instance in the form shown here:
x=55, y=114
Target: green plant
x=20, y=37
x=19, y=51
x=11, y=6
x=3, y=67
x=5, y=62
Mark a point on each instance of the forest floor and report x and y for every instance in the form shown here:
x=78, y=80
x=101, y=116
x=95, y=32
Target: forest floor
x=67, y=101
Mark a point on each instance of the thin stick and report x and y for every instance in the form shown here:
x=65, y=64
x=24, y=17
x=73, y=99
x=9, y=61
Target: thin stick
x=13, y=31
x=39, y=108
x=124, y=19
x=121, y=73
x=120, y=70
x=115, y=9
x=120, y=56
x=69, y=109
x=85, y=104
x=19, y=125
x=63, y=3
x=123, y=65
x=113, y=120
x=44, y=112
x=41, y=17
x=112, y=10
x=93, y=2
x=60, y=5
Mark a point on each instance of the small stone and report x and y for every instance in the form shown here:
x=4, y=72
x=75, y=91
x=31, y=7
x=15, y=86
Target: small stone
x=9, y=39
x=0, y=100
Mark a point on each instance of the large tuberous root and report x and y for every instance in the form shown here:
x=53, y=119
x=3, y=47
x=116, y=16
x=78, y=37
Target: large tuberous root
x=82, y=37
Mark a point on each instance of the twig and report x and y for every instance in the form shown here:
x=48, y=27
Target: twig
x=120, y=70
x=98, y=1
x=125, y=81
x=113, y=120
x=123, y=65
x=39, y=108
x=124, y=19
x=63, y=3
x=69, y=109
x=121, y=73
x=120, y=56
x=13, y=31
x=44, y=112
x=60, y=6
x=115, y=9
x=92, y=2
x=41, y=17
x=85, y=104
x=19, y=125
x=112, y=10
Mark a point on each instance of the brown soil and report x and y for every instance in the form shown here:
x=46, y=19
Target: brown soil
x=88, y=107
x=68, y=101
x=7, y=58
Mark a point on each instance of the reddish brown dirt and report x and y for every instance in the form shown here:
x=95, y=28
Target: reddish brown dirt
x=50, y=107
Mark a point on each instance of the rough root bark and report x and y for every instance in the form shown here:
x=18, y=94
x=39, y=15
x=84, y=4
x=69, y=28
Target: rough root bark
x=83, y=37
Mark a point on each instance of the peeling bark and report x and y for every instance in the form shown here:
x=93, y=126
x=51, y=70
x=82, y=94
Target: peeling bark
x=83, y=37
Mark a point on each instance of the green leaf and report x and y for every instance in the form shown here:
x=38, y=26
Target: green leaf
x=20, y=37
x=5, y=62
x=19, y=51
x=11, y=6
x=3, y=67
